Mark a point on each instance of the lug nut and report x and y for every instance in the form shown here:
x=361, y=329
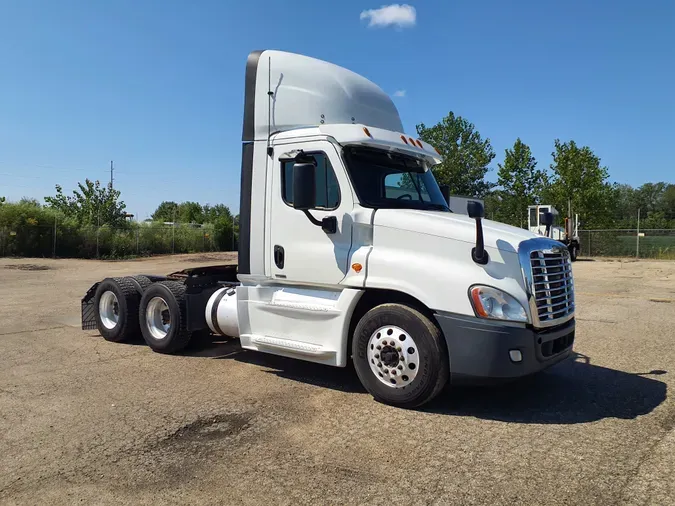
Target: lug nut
x=398, y=348
x=379, y=364
x=377, y=355
x=393, y=372
x=379, y=347
x=400, y=367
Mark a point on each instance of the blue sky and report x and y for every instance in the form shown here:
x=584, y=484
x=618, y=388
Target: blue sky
x=157, y=85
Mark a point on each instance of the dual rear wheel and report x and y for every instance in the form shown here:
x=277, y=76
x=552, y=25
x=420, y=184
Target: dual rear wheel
x=130, y=307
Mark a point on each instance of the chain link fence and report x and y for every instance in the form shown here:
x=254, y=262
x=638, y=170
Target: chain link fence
x=647, y=243
x=61, y=241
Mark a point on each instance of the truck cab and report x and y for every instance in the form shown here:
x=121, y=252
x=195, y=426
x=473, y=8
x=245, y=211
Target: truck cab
x=348, y=252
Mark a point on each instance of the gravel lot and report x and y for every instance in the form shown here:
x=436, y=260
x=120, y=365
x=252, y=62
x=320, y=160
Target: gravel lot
x=87, y=421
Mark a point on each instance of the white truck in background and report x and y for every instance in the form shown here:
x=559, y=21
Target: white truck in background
x=348, y=251
x=538, y=217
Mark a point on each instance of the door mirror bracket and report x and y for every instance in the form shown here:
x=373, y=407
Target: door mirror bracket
x=327, y=224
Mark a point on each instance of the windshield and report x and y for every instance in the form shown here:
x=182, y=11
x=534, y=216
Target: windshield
x=383, y=179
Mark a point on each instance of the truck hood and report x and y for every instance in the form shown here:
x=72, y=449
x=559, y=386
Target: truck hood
x=454, y=226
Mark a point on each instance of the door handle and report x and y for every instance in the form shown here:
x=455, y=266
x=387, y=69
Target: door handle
x=279, y=256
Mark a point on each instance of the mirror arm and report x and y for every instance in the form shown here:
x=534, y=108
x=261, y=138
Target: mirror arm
x=478, y=253
x=312, y=218
x=327, y=224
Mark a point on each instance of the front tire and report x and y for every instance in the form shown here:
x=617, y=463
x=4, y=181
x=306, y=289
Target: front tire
x=400, y=356
x=163, y=317
x=574, y=251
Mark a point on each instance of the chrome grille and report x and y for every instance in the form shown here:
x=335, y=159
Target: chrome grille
x=547, y=270
x=553, y=285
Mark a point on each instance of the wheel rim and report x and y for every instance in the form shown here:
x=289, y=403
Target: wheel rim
x=109, y=310
x=158, y=318
x=393, y=356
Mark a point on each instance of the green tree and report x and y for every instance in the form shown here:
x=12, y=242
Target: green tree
x=579, y=178
x=166, y=211
x=521, y=184
x=190, y=212
x=669, y=203
x=466, y=155
x=212, y=213
x=91, y=205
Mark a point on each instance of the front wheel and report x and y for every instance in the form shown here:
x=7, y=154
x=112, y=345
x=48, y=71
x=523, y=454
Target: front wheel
x=574, y=251
x=400, y=356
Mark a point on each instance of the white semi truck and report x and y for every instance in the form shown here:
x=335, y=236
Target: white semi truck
x=348, y=252
x=568, y=234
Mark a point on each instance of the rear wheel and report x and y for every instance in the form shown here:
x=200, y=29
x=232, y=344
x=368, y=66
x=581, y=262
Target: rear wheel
x=163, y=318
x=399, y=356
x=116, y=309
x=574, y=251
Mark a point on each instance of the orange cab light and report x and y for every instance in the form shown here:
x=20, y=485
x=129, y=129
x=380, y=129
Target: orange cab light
x=404, y=139
x=477, y=304
x=367, y=132
x=437, y=151
x=411, y=141
x=357, y=267
x=419, y=143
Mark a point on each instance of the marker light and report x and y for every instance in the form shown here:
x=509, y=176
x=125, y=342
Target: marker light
x=357, y=267
x=419, y=143
x=494, y=304
x=367, y=132
x=404, y=139
x=411, y=141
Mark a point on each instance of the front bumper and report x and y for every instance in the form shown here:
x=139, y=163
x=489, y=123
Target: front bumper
x=479, y=349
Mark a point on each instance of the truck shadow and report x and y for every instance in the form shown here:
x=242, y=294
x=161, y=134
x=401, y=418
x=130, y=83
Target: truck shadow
x=573, y=391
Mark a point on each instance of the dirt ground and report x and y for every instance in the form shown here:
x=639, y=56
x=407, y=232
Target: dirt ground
x=87, y=421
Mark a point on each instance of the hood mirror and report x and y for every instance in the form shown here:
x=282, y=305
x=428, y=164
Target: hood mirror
x=477, y=212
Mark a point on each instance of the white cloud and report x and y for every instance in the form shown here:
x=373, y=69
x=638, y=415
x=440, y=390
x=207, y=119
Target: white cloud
x=391, y=15
x=399, y=93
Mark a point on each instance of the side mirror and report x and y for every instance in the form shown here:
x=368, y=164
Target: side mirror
x=475, y=209
x=304, y=186
x=445, y=191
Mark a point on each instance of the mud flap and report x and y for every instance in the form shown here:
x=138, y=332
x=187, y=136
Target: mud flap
x=88, y=310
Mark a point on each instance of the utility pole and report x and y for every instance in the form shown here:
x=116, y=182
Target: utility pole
x=111, y=173
x=54, y=250
x=637, y=237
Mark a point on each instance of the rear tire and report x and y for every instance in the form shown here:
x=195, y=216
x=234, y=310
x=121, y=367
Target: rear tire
x=142, y=282
x=163, y=317
x=416, y=365
x=116, y=309
x=574, y=251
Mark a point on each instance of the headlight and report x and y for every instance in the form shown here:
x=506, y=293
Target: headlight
x=491, y=303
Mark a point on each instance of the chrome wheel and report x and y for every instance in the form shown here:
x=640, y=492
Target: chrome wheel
x=158, y=318
x=109, y=310
x=393, y=356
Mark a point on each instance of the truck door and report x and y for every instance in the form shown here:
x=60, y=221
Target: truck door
x=299, y=251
